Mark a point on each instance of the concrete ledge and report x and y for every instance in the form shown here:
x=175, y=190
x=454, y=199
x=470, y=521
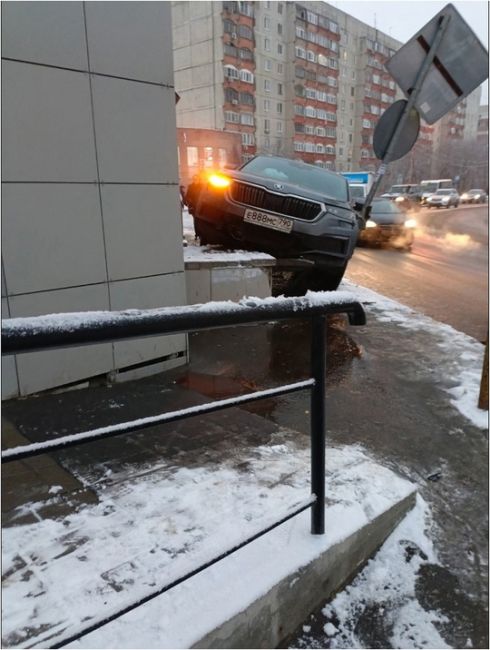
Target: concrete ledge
x=269, y=620
x=217, y=275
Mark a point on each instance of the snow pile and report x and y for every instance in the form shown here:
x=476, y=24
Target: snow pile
x=386, y=587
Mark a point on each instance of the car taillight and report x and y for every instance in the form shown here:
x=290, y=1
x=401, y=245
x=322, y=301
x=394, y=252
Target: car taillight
x=219, y=181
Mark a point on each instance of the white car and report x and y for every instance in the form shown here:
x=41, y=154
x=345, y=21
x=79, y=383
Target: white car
x=443, y=199
x=474, y=196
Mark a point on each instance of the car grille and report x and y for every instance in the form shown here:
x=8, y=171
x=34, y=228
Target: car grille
x=290, y=206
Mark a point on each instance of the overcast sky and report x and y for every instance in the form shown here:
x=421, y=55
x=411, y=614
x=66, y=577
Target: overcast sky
x=401, y=19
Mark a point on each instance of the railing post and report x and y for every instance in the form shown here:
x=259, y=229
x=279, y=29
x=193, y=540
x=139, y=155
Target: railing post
x=318, y=367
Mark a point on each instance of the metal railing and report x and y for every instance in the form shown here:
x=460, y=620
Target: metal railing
x=69, y=330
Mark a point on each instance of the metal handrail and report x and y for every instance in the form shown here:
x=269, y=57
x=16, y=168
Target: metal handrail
x=23, y=335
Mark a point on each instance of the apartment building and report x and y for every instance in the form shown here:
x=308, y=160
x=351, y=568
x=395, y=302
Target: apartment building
x=301, y=79
x=304, y=80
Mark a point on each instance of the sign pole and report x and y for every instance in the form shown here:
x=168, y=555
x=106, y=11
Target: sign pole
x=419, y=80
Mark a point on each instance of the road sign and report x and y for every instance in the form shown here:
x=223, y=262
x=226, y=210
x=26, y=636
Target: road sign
x=460, y=65
x=386, y=127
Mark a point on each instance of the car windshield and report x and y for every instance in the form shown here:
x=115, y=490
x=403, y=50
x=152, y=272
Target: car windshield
x=399, y=189
x=429, y=187
x=475, y=192
x=300, y=174
x=444, y=192
x=384, y=206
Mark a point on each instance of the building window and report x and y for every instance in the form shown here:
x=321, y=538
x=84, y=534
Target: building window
x=299, y=109
x=279, y=107
x=309, y=129
x=246, y=98
x=267, y=22
x=312, y=18
x=230, y=50
x=279, y=48
x=310, y=147
x=299, y=146
x=279, y=127
x=320, y=131
x=331, y=117
x=330, y=149
x=246, y=76
x=231, y=96
x=299, y=127
x=192, y=157
x=267, y=65
x=267, y=44
x=229, y=26
x=267, y=126
x=322, y=60
x=333, y=63
x=331, y=132
x=279, y=89
x=279, y=7
x=222, y=157
x=246, y=54
x=267, y=85
x=300, y=32
x=311, y=93
x=230, y=72
x=299, y=90
x=279, y=68
x=299, y=72
x=230, y=116
x=267, y=105
x=279, y=28
x=248, y=139
x=310, y=111
x=246, y=32
x=247, y=118
x=311, y=56
x=320, y=148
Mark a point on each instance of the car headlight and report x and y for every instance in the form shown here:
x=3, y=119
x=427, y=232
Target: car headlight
x=465, y=196
x=477, y=196
x=219, y=181
x=410, y=223
x=399, y=199
x=371, y=224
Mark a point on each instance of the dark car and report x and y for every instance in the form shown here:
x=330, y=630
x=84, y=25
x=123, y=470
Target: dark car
x=388, y=223
x=474, y=196
x=407, y=196
x=287, y=208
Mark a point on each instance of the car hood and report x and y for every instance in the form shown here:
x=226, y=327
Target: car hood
x=387, y=219
x=271, y=184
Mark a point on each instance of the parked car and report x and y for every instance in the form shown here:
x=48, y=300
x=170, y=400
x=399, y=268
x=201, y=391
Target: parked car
x=474, y=196
x=443, y=199
x=388, y=223
x=407, y=196
x=287, y=208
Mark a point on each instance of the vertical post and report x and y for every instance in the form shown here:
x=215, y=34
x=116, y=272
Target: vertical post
x=414, y=93
x=483, y=397
x=317, y=424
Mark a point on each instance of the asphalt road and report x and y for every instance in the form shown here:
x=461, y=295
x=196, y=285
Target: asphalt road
x=446, y=274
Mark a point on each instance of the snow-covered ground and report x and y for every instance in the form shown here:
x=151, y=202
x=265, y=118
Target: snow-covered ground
x=165, y=521
x=150, y=530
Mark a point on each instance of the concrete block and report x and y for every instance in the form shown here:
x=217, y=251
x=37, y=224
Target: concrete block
x=227, y=284
x=52, y=33
x=52, y=236
x=136, y=132
x=148, y=293
x=47, y=130
x=130, y=40
x=198, y=283
x=42, y=370
x=138, y=221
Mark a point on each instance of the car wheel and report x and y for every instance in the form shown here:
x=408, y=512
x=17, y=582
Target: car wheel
x=208, y=234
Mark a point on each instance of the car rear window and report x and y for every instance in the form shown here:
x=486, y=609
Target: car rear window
x=385, y=206
x=297, y=173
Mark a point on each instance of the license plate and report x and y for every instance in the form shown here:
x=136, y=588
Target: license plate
x=273, y=221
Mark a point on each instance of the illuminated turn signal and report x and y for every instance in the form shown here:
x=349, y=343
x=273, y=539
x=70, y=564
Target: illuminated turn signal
x=218, y=180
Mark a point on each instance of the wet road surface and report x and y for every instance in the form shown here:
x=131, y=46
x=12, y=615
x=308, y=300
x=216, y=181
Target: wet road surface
x=446, y=274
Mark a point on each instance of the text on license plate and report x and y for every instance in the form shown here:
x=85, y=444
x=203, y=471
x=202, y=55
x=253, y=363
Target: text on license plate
x=283, y=224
